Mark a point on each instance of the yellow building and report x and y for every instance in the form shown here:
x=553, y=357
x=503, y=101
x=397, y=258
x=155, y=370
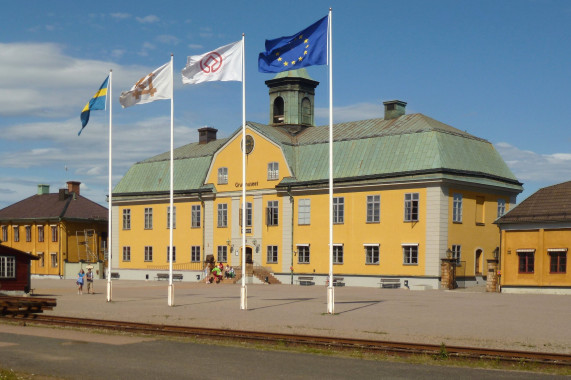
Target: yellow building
x=536, y=238
x=406, y=189
x=63, y=230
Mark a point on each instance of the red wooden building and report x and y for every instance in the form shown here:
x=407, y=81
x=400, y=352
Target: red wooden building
x=15, y=274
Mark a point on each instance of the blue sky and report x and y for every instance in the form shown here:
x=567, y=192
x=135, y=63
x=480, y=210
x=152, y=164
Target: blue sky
x=496, y=69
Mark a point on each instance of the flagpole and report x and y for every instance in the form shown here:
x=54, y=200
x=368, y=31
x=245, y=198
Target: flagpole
x=243, y=292
x=330, y=291
x=171, y=216
x=110, y=212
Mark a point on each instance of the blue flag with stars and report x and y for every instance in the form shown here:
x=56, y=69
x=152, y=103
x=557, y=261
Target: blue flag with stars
x=306, y=48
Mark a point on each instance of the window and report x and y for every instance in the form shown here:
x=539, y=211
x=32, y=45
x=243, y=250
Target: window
x=457, y=208
x=195, y=254
x=306, y=111
x=54, y=233
x=337, y=254
x=501, y=207
x=41, y=234
x=173, y=254
x=303, y=211
x=248, y=215
x=126, y=219
x=526, y=261
x=28, y=233
x=148, y=218
x=173, y=217
x=195, y=222
x=7, y=267
x=272, y=214
x=126, y=253
x=303, y=254
x=222, y=253
x=272, y=254
x=273, y=171
x=148, y=253
x=16, y=233
x=4, y=233
x=557, y=260
x=411, y=207
x=480, y=210
x=222, y=176
x=373, y=208
x=53, y=259
x=372, y=254
x=410, y=254
x=457, y=253
x=338, y=210
x=222, y=215
x=41, y=260
x=279, y=110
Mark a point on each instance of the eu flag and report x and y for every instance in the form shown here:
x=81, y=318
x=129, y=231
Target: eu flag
x=96, y=103
x=306, y=48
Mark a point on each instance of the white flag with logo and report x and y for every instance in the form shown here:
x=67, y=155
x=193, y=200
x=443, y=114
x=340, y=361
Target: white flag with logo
x=157, y=85
x=222, y=64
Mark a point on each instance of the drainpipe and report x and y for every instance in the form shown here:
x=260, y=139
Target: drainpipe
x=292, y=226
x=203, y=226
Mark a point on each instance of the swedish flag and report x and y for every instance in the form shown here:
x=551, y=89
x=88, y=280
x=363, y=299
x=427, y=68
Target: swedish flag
x=96, y=103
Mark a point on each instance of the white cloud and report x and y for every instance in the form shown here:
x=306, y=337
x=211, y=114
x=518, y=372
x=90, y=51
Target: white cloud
x=167, y=39
x=150, y=19
x=195, y=46
x=120, y=16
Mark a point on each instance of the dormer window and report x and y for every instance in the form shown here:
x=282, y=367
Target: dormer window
x=279, y=110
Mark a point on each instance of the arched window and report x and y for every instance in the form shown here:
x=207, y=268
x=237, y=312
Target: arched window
x=305, y=111
x=278, y=110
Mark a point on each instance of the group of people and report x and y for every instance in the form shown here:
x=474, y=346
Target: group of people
x=217, y=273
x=85, y=277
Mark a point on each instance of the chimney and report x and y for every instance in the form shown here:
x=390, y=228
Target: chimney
x=43, y=189
x=63, y=194
x=394, y=109
x=206, y=135
x=73, y=187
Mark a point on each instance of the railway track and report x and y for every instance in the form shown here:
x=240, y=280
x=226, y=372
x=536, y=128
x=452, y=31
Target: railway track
x=321, y=342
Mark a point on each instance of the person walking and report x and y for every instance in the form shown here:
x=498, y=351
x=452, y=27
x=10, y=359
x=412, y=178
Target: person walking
x=79, y=282
x=89, y=277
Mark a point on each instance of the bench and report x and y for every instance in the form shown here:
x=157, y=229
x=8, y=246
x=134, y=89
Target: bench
x=390, y=283
x=337, y=281
x=305, y=281
x=165, y=276
x=115, y=275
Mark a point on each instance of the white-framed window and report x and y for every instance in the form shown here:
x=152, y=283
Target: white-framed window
x=41, y=260
x=16, y=233
x=7, y=267
x=148, y=253
x=41, y=234
x=195, y=254
x=248, y=215
x=222, y=176
x=303, y=254
x=304, y=212
x=54, y=233
x=338, y=210
x=4, y=233
x=410, y=254
x=272, y=254
x=457, y=208
x=222, y=254
x=273, y=171
x=338, y=254
x=173, y=217
x=372, y=254
x=222, y=215
x=53, y=259
x=148, y=218
x=272, y=213
x=28, y=230
x=126, y=253
x=173, y=254
x=373, y=208
x=501, y=207
x=411, y=207
x=195, y=217
x=457, y=253
x=126, y=218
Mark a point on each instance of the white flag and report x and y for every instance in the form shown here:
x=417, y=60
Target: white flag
x=157, y=85
x=222, y=64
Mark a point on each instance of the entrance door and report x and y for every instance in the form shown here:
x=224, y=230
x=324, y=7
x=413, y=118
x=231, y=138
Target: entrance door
x=478, y=262
x=249, y=257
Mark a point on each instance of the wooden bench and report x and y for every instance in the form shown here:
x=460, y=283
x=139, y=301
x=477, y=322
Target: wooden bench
x=390, y=283
x=115, y=275
x=165, y=276
x=337, y=281
x=305, y=281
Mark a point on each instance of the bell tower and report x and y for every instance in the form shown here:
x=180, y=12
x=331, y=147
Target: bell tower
x=292, y=100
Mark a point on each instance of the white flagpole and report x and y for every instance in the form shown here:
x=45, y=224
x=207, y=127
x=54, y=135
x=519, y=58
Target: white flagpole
x=330, y=291
x=110, y=212
x=171, y=216
x=243, y=292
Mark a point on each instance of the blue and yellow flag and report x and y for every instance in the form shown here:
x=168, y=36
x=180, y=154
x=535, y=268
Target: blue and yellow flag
x=96, y=103
x=306, y=48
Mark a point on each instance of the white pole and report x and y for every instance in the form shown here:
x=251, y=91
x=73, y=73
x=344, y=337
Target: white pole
x=110, y=212
x=171, y=217
x=330, y=291
x=243, y=292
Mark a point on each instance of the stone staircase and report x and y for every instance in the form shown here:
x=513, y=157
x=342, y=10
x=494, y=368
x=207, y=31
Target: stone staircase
x=261, y=273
